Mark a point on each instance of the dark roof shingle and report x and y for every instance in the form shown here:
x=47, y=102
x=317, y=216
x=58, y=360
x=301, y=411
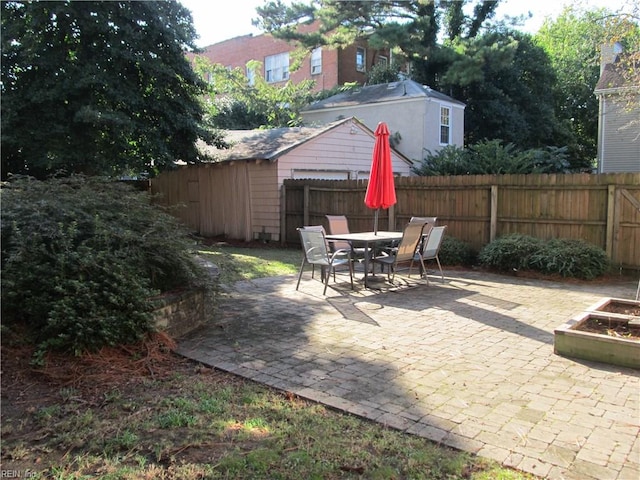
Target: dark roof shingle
x=265, y=144
x=384, y=92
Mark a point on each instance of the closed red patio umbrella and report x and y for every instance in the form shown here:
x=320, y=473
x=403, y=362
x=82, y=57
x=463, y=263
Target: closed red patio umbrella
x=381, y=189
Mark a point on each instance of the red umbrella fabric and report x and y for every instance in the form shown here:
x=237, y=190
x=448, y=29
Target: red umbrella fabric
x=381, y=189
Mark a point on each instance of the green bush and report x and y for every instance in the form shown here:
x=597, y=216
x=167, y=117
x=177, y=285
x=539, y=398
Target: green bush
x=449, y=160
x=491, y=157
x=456, y=252
x=82, y=257
x=510, y=252
x=570, y=258
x=566, y=257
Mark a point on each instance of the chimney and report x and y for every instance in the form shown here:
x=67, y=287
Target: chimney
x=609, y=54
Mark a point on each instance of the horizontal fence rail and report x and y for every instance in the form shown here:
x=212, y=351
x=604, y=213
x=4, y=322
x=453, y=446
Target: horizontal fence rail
x=602, y=209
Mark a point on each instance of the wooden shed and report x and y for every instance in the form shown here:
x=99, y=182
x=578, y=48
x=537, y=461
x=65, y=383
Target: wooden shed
x=239, y=194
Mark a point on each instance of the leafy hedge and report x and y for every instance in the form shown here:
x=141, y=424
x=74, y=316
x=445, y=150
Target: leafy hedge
x=492, y=157
x=510, y=252
x=454, y=251
x=566, y=257
x=82, y=257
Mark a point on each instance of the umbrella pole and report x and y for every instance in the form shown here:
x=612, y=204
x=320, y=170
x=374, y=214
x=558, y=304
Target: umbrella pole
x=375, y=222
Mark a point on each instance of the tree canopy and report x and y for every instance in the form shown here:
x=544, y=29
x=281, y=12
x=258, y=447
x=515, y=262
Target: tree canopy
x=234, y=103
x=413, y=29
x=573, y=42
x=507, y=95
x=456, y=47
x=99, y=88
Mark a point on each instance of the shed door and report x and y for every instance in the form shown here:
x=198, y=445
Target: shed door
x=225, y=201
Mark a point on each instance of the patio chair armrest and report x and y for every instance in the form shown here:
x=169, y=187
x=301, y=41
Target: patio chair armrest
x=341, y=252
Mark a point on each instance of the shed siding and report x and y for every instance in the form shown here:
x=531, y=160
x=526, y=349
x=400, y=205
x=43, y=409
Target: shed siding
x=265, y=201
x=620, y=148
x=241, y=199
x=337, y=150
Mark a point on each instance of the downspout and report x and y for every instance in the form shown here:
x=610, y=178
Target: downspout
x=601, y=133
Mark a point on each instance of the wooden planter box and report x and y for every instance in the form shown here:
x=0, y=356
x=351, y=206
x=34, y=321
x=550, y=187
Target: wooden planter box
x=571, y=341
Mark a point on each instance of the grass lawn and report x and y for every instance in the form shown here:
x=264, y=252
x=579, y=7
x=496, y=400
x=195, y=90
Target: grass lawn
x=142, y=412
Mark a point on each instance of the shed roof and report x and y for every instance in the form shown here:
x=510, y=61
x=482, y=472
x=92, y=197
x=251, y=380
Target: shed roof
x=384, y=92
x=273, y=143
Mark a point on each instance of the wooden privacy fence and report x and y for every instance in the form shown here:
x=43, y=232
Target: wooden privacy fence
x=602, y=209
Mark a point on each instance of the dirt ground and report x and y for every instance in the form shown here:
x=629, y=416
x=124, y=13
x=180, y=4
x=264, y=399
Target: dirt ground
x=27, y=390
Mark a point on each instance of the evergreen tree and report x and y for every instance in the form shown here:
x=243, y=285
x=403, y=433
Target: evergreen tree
x=98, y=88
x=508, y=93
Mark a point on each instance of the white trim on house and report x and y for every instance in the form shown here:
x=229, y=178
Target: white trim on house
x=445, y=122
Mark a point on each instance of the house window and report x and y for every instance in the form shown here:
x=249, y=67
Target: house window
x=251, y=76
x=316, y=61
x=361, y=58
x=383, y=61
x=276, y=67
x=445, y=125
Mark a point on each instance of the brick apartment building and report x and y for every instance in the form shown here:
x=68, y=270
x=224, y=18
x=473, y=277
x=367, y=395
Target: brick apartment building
x=328, y=67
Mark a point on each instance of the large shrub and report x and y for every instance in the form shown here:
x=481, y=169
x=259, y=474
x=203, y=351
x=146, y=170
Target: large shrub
x=491, y=157
x=570, y=258
x=559, y=256
x=509, y=253
x=82, y=257
x=454, y=251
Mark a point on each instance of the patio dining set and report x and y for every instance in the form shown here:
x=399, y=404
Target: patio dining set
x=418, y=242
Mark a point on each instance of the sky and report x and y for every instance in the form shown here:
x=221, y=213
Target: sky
x=214, y=24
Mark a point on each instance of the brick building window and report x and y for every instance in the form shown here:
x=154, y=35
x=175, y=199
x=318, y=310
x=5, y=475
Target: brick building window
x=383, y=61
x=276, y=67
x=361, y=59
x=316, y=61
x=251, y=76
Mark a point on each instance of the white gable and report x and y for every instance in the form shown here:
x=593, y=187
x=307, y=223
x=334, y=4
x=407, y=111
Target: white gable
x=343, y=152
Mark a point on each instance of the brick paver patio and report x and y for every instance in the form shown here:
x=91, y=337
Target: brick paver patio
x=468, y=363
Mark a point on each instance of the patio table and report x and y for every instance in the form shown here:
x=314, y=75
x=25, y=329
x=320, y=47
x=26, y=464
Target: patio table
x=368, y=240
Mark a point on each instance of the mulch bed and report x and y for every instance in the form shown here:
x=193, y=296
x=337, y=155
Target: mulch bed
x=612, y=328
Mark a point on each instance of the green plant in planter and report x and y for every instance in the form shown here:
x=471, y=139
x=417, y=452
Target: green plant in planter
x=81, y=257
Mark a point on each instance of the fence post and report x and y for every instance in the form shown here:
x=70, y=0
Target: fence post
x=392, y=218
x=493, y=222
x=305, y=206
x=283, y=215
x=610, y=225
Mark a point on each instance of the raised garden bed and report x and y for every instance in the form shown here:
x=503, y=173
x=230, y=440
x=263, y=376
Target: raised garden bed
x=618, y=306
x=607, y=332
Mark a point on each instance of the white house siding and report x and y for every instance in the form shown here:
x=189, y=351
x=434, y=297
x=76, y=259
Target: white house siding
x=619, y=146
x=416, y=120
x=344, y=150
